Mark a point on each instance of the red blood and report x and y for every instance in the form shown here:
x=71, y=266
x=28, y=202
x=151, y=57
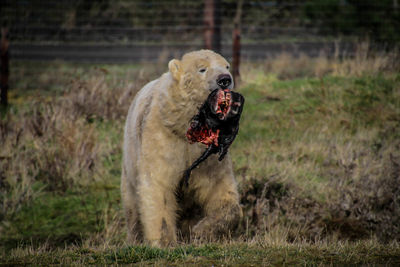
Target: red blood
x=223, y=102
x=203, y=135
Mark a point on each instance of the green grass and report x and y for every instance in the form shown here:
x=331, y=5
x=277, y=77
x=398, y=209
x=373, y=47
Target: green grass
x=290, y=120
x=316, y=160
x=219, y=254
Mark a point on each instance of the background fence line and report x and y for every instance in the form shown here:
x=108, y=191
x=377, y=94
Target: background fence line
x=137, y=30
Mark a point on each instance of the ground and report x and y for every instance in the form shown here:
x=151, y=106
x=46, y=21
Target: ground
x=317, y=161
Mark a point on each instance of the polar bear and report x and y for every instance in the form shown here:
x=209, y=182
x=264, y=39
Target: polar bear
x=156, y=153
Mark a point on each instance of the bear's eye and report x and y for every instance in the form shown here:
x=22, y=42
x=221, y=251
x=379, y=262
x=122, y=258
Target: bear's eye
x=202, y=70
x=227, y=67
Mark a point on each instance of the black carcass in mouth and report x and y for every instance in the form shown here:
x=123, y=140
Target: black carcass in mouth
x=216, y=125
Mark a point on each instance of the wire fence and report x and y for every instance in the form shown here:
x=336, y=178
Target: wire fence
x=132, y=31
x=137, y=30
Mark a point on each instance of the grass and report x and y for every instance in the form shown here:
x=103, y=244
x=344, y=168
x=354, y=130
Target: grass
x=317, y=160
x=330, y=141
x=218, y=254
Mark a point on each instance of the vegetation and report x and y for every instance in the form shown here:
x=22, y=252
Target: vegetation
x=377, y=20
x=238, y=254
x=317, y=160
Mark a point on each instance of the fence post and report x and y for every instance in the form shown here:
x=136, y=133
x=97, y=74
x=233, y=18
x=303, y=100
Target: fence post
x=236, y=43
x=212, y=25
x=4, y=67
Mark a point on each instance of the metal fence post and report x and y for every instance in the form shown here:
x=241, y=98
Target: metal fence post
x=236, y=43
x=212, y=25
x=4, y=66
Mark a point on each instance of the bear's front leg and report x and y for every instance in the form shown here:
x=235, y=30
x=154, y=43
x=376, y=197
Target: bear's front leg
x=216, y=190
x=160, y=160
x=158, y=214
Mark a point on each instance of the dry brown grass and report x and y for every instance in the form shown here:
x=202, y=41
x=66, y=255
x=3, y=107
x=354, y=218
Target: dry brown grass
x=364, y=62
x=56, y=140
x=323, y=164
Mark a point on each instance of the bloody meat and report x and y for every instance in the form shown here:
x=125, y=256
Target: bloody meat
x=216, y=125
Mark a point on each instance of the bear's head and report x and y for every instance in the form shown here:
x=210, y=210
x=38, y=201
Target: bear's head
x=198, y=73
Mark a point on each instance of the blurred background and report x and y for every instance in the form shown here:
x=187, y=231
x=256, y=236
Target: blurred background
x=116, y=31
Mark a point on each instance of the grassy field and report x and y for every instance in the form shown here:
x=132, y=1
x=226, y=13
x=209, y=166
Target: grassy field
x=317, y=160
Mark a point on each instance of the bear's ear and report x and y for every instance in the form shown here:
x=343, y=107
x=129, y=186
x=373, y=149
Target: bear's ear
x=174, y=67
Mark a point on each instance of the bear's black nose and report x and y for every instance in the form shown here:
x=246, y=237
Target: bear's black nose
x=224, y=80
